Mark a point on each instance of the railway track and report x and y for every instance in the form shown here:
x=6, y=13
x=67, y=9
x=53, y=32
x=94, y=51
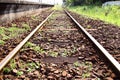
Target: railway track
x=58, y=50
x=103, y=33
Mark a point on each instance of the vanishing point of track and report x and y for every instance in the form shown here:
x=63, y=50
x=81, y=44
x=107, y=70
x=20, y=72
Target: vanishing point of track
x=109, y=59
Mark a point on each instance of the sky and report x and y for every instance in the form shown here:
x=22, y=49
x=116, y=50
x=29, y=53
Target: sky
x=49, y=1
x=59, y=1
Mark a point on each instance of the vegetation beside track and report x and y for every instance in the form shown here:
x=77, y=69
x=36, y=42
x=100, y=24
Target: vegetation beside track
x=110, y=14
x=17, y=27
x=13, y=31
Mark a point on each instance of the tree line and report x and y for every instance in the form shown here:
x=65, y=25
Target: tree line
x=80, y=2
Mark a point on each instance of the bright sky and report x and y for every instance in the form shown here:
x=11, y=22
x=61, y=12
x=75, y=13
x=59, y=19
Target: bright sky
x=48, y=1
x=59, y=1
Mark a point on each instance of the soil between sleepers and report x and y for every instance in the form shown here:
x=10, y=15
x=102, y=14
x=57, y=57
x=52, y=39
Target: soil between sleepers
x=60, y=55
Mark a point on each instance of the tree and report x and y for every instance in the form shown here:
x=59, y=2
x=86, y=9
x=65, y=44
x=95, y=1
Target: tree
x=79, y=2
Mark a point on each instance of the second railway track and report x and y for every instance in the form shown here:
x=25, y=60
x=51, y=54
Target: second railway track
x=58, y=51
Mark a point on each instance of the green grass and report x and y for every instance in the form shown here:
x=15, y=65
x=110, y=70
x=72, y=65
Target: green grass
x=52, y=53
x=11, y=32
x=86, y=66
x=26, y=26
x=110, y=14
x=12, y=66
x=34, y=47
x=76, y=64
x=2, y=42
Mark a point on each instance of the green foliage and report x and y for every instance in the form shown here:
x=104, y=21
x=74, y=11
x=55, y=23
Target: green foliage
x=2, y=30
x=53, y=54
x=14, y=25
x=12, y=66
x=32, y=65
x=110, y=14
x=86, y=75
x=26, y=26
x=88, y=2
x=29, y=44
x=33, y=17
x=2, y=42
x=76, y=64
x=3, y=35
x=19, y=73
x=88, y=66
x=88, y=27
x=34, y=47
x=65, y=53
x=13, y=31
x=6, y=70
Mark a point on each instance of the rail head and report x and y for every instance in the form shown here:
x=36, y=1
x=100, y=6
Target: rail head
x=113, y=62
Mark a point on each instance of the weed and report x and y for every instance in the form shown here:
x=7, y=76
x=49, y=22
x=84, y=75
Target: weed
x=65, y=53
x=29, y=44
x=109, y=14
x=14, y=25
x=89, y=65
x=14, y=31
x=74, y=50
x=6, y=70
x=86, y=75
x=2, y=30
x=29, y=70
x=5, y=37
x=34, y=47
x=76, y=64
x=33, y=17
x=7, y=33
x=38, y=49
x=53, y=54
x=12, y=66
x=26, y=26
x=2, y=35
x=88, y=69
x=2, y=42
x=19, y=73
x=32, y=66
x=22, y=64
x=88, y=27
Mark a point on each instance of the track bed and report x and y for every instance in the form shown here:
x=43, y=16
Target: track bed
x=59, y=51
x=106, y=34
x=14, y=32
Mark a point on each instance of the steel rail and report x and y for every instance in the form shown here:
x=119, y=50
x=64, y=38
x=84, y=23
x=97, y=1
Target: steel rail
x=21, y=44
x=114, y=63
